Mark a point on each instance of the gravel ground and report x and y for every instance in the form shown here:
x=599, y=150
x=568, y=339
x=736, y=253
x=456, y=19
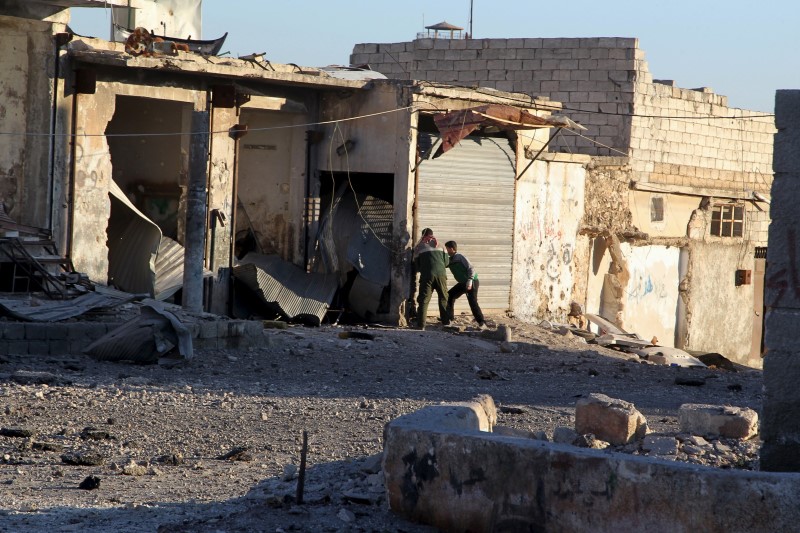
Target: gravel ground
x=213, y=444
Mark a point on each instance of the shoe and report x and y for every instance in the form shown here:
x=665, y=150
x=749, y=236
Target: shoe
x=482, y=326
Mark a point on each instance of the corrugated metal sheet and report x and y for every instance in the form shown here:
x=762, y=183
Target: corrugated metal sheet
x=169, y=268
x=467, y=195
x=293, y=293
x=55, y=310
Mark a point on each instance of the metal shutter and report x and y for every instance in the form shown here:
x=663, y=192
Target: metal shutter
x=467, y=195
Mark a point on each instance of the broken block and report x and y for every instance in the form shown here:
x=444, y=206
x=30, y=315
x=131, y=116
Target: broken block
x=718, y=420
x=609, y=419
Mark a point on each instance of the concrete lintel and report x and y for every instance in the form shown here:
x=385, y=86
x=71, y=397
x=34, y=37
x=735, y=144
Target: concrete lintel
x=193, y=64
x=440, y=470
x=693, y=191
x=559, y=157
x=488, y=95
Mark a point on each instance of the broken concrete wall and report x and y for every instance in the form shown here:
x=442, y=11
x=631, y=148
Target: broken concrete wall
x=26, y=92
x=381, y=144
x=548, y=209
x=636, y=287
x=780, y=427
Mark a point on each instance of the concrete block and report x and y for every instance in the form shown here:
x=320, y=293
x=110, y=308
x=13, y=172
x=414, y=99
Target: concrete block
x=441, y=471
x=718, y=420
x=235, y=328
x=35, y=331
x=532, y=43
x=13, y=331
x=58, y=332
x=612, y=420
x=42, y=347
x=18, y=347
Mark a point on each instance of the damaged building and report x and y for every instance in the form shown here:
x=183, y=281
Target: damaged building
x=676, y=204
x=251, y=188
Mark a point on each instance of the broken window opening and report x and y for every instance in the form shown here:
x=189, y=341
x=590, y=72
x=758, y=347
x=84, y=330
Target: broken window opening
x=727, y=220
x=657, y=209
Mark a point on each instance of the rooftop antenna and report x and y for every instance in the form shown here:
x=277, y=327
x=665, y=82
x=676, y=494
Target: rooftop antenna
x=470, y=18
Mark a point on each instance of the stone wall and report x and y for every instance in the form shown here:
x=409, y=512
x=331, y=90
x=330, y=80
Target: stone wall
x=780, y=430
x=605, y=84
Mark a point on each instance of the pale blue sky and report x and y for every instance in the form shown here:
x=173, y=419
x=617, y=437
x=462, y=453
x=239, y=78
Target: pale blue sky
x=745, y=50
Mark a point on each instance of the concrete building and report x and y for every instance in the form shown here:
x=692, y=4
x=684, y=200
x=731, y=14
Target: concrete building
x=672, y=243
x=126, y=157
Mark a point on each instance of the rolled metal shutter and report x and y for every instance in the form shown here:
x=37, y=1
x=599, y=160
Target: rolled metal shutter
x=467, y=195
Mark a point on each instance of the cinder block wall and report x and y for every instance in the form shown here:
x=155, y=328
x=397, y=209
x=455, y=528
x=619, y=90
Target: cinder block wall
x=602, y=82
x=780, y=419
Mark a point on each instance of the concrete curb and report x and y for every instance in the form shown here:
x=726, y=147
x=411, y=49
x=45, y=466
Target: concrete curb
x=441, y=470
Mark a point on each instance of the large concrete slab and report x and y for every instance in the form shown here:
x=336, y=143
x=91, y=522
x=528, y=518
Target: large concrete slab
x=441, y=470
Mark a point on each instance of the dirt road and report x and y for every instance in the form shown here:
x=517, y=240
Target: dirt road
x=212, y=444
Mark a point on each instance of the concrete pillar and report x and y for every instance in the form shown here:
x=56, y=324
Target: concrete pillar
x=196, y=213
x=780, y=426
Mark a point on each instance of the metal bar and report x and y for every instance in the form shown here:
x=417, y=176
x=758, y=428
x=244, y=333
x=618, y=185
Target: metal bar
x=524, y=170
x=301, y=476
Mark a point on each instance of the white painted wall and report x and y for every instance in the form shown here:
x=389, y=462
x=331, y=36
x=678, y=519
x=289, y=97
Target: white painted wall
x=173, y=18
x=650, y=298
x=549, y=205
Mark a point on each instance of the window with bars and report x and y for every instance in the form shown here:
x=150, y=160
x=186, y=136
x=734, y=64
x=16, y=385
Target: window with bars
x=727, y=220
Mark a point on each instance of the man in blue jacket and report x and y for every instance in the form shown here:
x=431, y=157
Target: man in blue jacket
x=467, y=284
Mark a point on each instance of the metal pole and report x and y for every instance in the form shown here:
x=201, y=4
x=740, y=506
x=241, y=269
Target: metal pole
x=470, y=18
x=196, y=213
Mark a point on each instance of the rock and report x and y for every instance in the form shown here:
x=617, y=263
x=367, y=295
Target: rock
x=372, y=464
x=690, y=382
x=91, y=433
x=27, y=377
x=659, y=445
x=506, y=347
x=346, y=516
x=134, y=469
x=289, y=472
x=83, y=458
x=19, y=433
x=48, y=447
x=274, y=324
x=591, y=441
x=237, y=454
x=90, y=483
x=502, y=333
x=724, y=421
x=611, y=420
x=564, y=435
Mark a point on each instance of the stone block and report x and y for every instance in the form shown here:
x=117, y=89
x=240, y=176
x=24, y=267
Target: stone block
x=35, y=331
x=42, y=347
x=13, y=331
x=18, y=347
x=718, y=420
x=612, y=420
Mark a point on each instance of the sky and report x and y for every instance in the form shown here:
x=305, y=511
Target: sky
x=741, y=49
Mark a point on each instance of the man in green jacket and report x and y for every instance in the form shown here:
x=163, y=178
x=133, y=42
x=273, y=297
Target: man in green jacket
x=431, y=263
x=467, y=283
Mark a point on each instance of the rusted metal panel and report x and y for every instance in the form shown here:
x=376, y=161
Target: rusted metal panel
x=467, y=196
x=293, y=293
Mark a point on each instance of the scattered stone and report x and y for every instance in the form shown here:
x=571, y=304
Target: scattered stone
x=90, y=433
x=716, y=360
x=134, y=469
x=346, y=516
x=512, y=410
x=660, y=445
x=363, y=498
x=19, y=433
x=564, y=435
x=289, y=472
x=591, y=441
x=90, y=483
x=173, y=459
x=356, y=335
x=83, y=458
x=502, y=333
x=274, y=324
x=725, y=421
x=506, y=347
x=372, y=464
x=482, y=373
x=735, y=387
x=611, y=420
x=28, y=377
x=237, y=454
x=690, y=382
x=48, y=447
